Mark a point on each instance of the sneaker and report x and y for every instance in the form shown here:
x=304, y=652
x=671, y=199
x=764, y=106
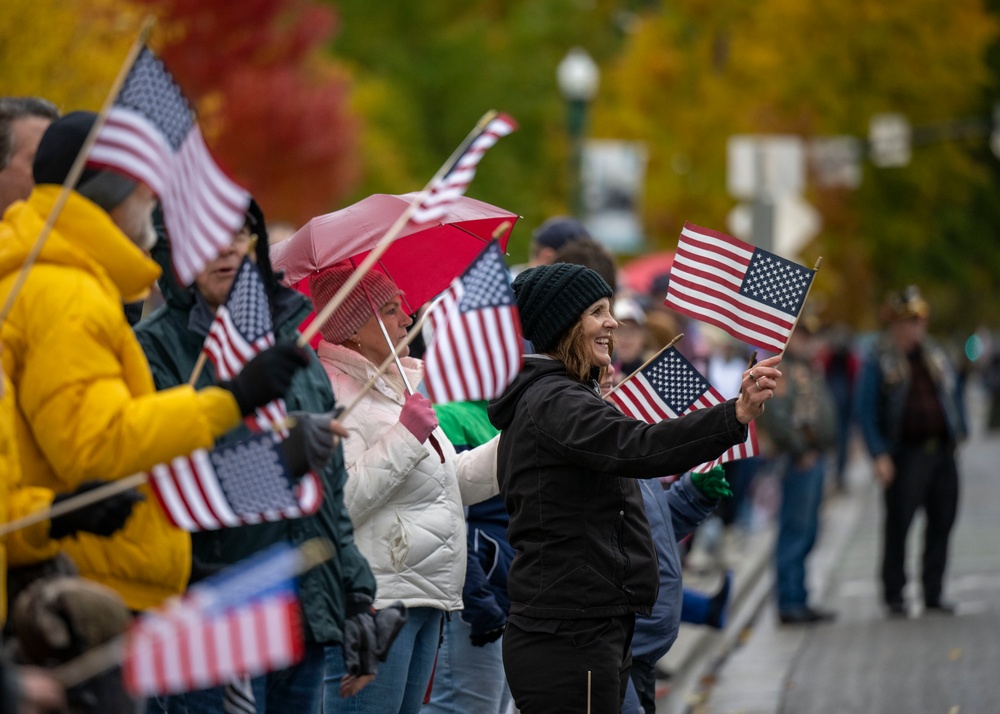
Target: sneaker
x=806, y=616
x=940, y=607
x=896, y=608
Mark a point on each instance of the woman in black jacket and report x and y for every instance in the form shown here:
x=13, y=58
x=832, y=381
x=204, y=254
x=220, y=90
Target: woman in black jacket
x=584, y=561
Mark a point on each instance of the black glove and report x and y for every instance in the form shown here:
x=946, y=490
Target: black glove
x=369, y=634
x=267, y=376
x=481, y=639
x=102, y=518
x=309, y=444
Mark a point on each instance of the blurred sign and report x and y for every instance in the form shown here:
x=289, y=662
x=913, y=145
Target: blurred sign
x=612, y=177
x=889, y=140
x=795, y=223
x=836, y=161
x=772, y=165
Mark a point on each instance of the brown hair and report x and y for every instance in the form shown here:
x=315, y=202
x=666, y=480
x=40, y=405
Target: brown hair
x=572, y=351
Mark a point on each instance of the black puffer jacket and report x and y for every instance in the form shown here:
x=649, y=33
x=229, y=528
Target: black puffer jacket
x=566, y=467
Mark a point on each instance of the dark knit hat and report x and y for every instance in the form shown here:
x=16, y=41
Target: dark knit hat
x=551, y=298
x=356, y=310
x=57, y=151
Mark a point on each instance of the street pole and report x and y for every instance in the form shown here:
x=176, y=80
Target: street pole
x=577, y=76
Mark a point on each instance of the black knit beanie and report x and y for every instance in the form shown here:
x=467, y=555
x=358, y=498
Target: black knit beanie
x=551, y=298
x=57, y=151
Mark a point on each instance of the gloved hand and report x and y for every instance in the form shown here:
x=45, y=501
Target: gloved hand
x=369, y=634
x=481, y=639
x=102, y=518
x=309, y=444
x=267, y=376
x=418, y=416
x=713, y=484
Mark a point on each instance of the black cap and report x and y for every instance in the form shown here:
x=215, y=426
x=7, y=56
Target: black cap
x=557, y=232
x=551, y=298
x=57, y=151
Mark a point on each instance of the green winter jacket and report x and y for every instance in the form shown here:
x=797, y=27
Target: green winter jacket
x=172, y=348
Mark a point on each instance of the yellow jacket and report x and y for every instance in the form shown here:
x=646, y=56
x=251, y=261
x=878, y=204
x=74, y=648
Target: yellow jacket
x=86, y=404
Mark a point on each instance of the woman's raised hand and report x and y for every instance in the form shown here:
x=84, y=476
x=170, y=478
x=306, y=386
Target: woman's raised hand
x=757, y=387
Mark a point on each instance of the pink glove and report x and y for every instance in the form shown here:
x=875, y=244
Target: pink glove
x=418, y=416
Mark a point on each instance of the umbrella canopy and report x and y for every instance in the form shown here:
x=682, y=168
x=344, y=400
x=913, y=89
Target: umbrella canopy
x=638, y=274
x=422, y=261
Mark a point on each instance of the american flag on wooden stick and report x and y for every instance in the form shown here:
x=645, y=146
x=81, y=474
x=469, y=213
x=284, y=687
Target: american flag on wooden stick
x=454, y=183
x=244, y=621
x=150, y=134
x=669, y=387
x=241, y=483
x=474, y=349
x=241, y=329
x=750, y=293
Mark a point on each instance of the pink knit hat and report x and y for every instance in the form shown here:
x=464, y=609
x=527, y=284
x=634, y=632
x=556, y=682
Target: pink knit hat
x=356, y=310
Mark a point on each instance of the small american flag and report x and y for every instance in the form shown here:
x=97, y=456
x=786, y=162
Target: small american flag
x=453, y=184
x=241, y=483
x=475, y=348
x=244, y=621
x=242, y=329
x=150, y=134
x=669, y=387
x=750, y=293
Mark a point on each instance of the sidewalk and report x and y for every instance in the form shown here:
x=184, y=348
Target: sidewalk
x=864, y=661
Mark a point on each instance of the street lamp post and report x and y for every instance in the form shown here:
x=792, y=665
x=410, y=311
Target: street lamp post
x=578, y=78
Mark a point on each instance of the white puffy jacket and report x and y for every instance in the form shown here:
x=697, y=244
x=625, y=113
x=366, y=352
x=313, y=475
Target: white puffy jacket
x=407, y=506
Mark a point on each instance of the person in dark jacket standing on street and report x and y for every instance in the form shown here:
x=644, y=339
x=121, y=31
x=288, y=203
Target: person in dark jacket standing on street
x=172, y=339
x=584, y=561
x=910, y=412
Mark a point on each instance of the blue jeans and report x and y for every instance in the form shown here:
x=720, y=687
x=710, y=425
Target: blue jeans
x=467, y=679
x=798, y=526
x=295, y=689
x=402, y=679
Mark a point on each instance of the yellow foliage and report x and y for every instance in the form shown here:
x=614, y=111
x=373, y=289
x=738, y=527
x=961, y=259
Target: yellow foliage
x=68, y=51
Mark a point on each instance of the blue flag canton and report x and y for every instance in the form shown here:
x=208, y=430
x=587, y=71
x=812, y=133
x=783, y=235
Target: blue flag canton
x=776, y=282
x=486, y=283
x=264, y=574
x=253, y=476
x=247, y=303
x=151, y=91
x=677, y=382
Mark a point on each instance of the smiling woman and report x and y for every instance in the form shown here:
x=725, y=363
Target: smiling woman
x=566, y=467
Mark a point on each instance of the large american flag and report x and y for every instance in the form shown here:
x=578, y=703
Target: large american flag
x=241, y=329
x=452, y=185
x=244, y=621
x=750, y=293
x=669, y=387
x=150, y=134
x=474, y=350
x=241, y=483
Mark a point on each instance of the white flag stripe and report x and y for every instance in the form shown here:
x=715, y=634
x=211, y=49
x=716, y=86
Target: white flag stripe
x=216, y=500
x=739, y=256
x=173, y=502
x=646, y=404
x=448, y=372
x=724, y=315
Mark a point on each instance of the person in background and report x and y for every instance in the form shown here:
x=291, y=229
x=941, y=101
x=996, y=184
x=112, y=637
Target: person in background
x=172, y=339
x=584, y=561
x=801, y=423
x=910, y=412
x=469, y=676
x=841, y=367
x=405, y=489
x=548, y=238
x=631, y=338
x=23, y=120
x=86, y=404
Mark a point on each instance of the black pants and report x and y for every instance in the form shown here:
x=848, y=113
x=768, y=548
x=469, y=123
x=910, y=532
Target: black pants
x=547, y=661
x=643, y=676
x=926, y=476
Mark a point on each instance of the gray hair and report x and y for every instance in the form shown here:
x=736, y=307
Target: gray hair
x=14, y=108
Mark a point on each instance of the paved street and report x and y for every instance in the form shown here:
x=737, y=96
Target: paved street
x=864, y=662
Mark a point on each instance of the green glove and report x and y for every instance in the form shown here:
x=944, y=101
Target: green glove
x=713, y=484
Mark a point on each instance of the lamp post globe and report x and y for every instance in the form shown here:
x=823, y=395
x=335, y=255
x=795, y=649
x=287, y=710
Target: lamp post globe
x=578, y=78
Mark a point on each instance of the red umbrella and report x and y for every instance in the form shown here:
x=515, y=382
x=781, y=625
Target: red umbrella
x=638, y=274
x=422, y=261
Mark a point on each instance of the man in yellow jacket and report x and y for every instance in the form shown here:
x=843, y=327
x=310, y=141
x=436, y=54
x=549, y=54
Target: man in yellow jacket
x=86, y=405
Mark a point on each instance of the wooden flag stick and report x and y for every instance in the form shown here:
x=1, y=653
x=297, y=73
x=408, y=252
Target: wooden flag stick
x=71, y=504
x=588, y=690
x=198, y=366
x=819, y=262
x=110, y=654
x=645, y=364
x=76, y=169
x=390, y=235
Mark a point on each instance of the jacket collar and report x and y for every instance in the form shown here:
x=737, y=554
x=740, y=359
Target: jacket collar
x=360, y=369
x=84, y=236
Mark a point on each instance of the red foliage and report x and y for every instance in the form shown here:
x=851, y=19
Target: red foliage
x=276, y=120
